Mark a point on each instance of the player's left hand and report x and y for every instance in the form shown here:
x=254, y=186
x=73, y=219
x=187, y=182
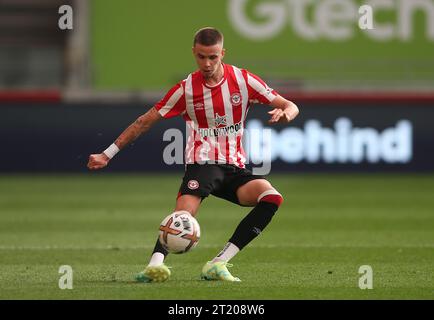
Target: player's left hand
x=280, y=116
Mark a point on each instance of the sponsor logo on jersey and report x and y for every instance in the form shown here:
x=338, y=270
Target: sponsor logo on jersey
x=220, y=121
x=215, y=132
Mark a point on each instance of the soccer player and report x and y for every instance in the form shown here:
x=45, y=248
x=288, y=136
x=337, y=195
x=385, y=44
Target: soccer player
x=214, y=101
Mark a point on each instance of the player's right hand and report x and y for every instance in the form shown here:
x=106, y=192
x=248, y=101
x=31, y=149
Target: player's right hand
x=97, y=161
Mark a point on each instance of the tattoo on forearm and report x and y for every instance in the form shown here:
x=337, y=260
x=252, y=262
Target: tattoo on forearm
x=138, y=127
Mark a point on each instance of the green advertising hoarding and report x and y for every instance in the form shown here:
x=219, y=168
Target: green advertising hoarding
x=146, y=45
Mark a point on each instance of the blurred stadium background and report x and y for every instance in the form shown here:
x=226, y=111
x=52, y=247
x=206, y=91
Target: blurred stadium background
x=367, y=103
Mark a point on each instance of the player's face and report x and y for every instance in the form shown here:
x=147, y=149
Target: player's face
x=208, y=58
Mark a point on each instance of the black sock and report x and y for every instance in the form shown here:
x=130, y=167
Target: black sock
x=159, y=248
x=253, y=224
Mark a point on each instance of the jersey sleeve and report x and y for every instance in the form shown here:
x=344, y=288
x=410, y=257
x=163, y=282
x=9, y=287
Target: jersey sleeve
x=173, y=103
x=259, y=91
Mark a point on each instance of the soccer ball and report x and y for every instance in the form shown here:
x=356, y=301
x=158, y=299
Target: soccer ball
x=179, y=232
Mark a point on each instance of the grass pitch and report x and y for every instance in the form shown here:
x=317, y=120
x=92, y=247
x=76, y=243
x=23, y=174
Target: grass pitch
x=104, y=226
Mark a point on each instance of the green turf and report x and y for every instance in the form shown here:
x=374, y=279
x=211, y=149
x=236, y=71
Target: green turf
x=104, y=226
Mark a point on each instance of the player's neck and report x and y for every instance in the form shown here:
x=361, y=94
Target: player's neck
x=216, y=78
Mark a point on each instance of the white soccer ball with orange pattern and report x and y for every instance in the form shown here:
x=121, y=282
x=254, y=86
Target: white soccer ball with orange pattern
x=179, y=232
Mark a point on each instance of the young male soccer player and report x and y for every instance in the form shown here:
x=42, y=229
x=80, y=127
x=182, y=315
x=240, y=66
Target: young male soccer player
x=214, y=101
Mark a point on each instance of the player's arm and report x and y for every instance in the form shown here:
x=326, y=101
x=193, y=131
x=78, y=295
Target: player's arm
x=284, y=110
x=137, y=128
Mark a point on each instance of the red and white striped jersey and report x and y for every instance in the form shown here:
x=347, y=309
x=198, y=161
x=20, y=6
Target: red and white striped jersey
x=215, y=115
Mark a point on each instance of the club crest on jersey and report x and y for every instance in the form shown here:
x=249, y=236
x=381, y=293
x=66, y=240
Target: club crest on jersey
x=236, y=99
x=220, y=121
x=193, y=184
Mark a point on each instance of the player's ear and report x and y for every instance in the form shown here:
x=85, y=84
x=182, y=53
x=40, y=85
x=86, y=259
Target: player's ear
x=223, y=52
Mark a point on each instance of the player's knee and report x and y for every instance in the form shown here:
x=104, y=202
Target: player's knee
x=188, y=203
x=271, y=196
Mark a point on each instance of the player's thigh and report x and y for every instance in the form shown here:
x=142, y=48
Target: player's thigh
x=249, y=192
x=198, y=182
x=188, y=203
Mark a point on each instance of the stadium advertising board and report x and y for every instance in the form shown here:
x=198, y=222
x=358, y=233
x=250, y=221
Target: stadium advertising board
x=325, y=137
x=148, y=46
x=335, y=138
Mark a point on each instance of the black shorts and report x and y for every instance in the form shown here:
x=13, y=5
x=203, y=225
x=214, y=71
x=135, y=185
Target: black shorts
x=220, y=180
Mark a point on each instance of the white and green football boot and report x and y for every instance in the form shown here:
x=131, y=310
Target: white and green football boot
x=158, y=273
x=218, y=271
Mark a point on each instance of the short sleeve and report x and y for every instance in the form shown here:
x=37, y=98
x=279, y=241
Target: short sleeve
x=173, y=103
x=259, y=91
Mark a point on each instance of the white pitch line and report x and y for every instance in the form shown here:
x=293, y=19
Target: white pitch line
x=270, y=246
